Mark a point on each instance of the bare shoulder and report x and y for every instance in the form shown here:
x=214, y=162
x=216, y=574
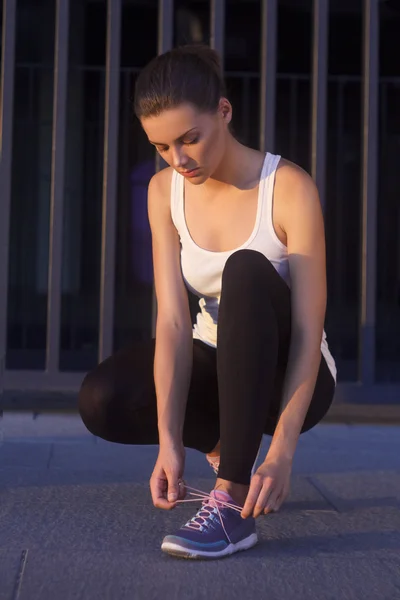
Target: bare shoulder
x=160, y=183
x=293, y=181
x=158, y=197
x=295, y=193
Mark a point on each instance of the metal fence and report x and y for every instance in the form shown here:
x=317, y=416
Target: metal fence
x=52, y=378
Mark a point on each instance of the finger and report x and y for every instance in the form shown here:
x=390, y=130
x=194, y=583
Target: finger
x=173, y=488
x=281, y=498
x=159, y=490
x=159, y=487
x=253, y=493
x=264, y=497
x=164, y=504
x=273, y=504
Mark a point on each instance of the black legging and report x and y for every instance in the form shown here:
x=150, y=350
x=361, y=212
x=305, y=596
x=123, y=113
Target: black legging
x=235, y=391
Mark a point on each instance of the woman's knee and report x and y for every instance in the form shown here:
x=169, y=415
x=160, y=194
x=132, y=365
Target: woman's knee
x=246, y=268
x=244, y=261
x=251, y=280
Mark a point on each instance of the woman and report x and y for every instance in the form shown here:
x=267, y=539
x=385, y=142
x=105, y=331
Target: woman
x=244, y=231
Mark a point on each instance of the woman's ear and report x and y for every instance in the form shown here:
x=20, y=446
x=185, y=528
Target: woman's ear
x=225, y=109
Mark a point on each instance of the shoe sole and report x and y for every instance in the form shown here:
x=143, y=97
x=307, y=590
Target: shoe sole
x=181, y=552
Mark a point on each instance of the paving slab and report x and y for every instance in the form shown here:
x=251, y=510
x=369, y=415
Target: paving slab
x=94, y=508
x=344, y=460
x=330, y=534
x=44, y=427
x=359, y=490
x=81, y=509
x=80, y=575
x=10, y=566
x=391, y=562
x=25, y=454
x=137, y=460
x=369, y=436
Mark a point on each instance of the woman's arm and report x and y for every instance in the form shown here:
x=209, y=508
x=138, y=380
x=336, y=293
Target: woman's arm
x=174, y=343
x=302, y=220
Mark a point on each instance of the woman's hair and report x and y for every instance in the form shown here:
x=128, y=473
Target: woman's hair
x=187, y=74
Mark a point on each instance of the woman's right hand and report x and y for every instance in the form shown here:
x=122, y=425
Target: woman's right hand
x=167, y=473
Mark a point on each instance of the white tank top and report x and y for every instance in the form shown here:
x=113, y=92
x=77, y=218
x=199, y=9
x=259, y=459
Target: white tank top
x=202, y=269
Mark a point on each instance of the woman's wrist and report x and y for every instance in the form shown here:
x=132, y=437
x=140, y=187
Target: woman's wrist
x=169, y=436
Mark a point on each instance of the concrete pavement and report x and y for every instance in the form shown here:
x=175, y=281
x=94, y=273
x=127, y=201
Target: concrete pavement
x=76, y=520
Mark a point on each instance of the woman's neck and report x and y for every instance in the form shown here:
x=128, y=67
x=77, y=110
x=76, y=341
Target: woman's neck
x=239, y=168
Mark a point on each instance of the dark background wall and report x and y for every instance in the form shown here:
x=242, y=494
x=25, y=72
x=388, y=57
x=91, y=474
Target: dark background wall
x=83, y=186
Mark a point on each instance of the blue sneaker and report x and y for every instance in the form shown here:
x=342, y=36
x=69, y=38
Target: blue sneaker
x=215, y=531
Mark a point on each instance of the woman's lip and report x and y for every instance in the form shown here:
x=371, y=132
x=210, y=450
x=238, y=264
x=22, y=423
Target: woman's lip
x=190, y=173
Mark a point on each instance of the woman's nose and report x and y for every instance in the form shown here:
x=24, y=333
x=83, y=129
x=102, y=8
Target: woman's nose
x=179, y=158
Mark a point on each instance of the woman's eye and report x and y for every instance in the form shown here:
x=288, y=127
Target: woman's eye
x=162, y=149
x=193, y=141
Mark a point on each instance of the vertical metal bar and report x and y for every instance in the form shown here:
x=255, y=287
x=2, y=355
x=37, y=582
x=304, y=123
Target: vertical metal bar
x=125, y=161
x=110, y=179
x=246, y=108
x=217, y=28
x=385, y=266
x=339, y=300
x=269, y=18
x=31, y=72
x=6, y=133
x=319, y=94
x=57, y=185
x=293, y=117
x=165, y=25
x=369, y=190
x=165, y=43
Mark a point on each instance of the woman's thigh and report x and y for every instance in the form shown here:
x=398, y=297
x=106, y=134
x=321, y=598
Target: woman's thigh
x=117, y=400
x=320, y=402
x=269, y=286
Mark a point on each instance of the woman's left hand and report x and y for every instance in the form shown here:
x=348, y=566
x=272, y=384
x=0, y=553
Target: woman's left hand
x=269, y=487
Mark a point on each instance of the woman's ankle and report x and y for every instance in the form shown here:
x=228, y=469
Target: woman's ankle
x=237, y=491
x=216, y=451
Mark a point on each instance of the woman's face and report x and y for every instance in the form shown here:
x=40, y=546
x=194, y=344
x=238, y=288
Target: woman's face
x=191, y=142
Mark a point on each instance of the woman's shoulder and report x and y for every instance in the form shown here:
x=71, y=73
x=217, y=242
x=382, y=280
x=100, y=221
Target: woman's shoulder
x=161, y=181
x=293, y=184
x=295, y=194
x=290, y=176
x=159, y=190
